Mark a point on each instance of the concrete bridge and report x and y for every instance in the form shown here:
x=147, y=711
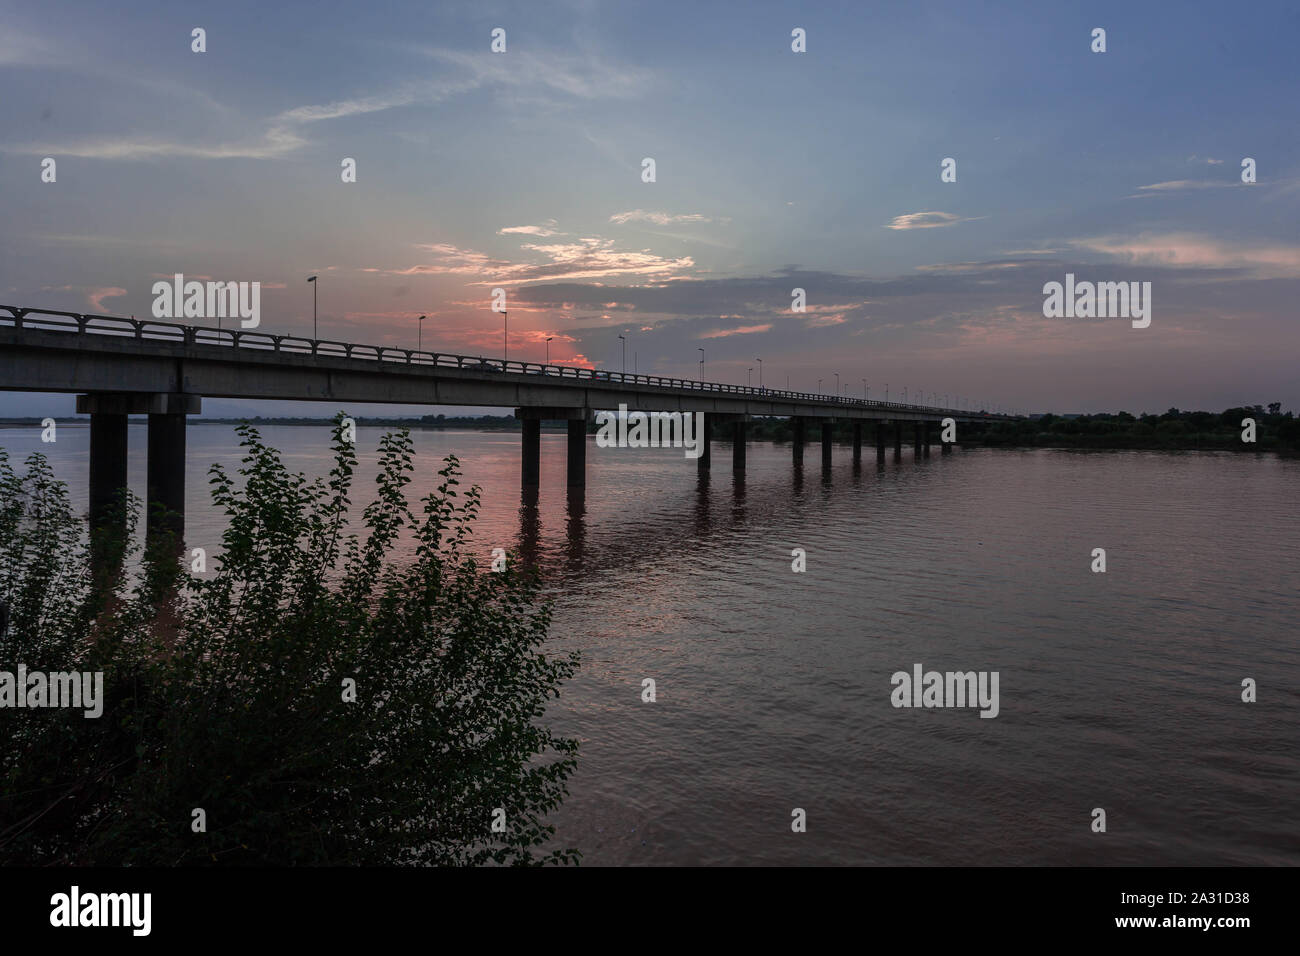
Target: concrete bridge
x=120, y=367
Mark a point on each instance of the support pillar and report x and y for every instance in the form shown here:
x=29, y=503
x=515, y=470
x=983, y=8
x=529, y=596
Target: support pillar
x=898, y=441
x=165, y=484
x=880, y=441
x=799, y=438
x=738, y=446
x=827, y=428
x=705, y=461
x=857, y=443
x=107, y=465
x=925, y=438
x=916, y=439
x=531, y=470
x=577, y=470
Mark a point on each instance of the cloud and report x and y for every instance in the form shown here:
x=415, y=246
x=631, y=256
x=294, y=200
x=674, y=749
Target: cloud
x=1175, y=184
x=96, y=297
x=586, y=78
x=658, y=218
x=925, y=220
x=1193, y=251
x=583, y=259
x=738, y=330
x=825, y=321
x=547, y=229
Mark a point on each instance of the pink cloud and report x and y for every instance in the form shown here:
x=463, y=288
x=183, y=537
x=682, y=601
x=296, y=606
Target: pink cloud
x=96, y=297
x=738, y=330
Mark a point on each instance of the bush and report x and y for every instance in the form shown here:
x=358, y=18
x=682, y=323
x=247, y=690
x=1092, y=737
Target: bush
x=228, y=693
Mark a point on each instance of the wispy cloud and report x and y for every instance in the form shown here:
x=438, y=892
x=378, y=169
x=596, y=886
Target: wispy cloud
x=1190, y=250
x=1179, y=184
x=736, y=330
x=925, y=220
x=544, y=230
x=658, y=218
x=586, y=258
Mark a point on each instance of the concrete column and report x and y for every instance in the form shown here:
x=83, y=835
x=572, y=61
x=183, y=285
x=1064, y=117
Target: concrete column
x=107, y=464
x=738, y=446
x=532, y=453
x=577, y=452
x=797, y=424
x=880, y=441
x=925, y=438
x=916, y=439
x=166, y=474
x=857, y=443
x=705, y=461
x=898, y=441
x=827, y=428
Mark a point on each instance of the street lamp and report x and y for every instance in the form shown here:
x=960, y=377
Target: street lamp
x=624, y=340
x=312, y=280
x=904, y=394
x=548, y=349
x=505, y=338
x=864, y=389
x=419, y=336
x=886, y=391
x=819, y=386
x=837, y=384
x=750, y=379
x=701, y=351
x=760, y=371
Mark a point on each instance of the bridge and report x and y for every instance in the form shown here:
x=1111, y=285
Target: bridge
x=127, y=366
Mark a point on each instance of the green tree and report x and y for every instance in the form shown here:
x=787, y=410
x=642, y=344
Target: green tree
x=229, y=693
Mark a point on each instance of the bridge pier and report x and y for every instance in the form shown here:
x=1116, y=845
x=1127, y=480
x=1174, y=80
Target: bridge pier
x=531, y=468
x=107, y=463
x=827, y=429
x=798, y=426
x=738, y=446
x=577, y=459
x=165, y=481
x=925, y=438
x=857, y=443
x=880, y=442
x=898, y=441
x=705, y=461
x=916, y=440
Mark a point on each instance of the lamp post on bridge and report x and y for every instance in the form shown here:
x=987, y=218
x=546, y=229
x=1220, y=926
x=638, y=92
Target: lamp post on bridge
x=760, y=372
x=865, y=389
x=419, y=335
x=623, y=339
x=837, y=384
x=701, y=351
x=749, y=380
x=548, y=349
x=312, y=280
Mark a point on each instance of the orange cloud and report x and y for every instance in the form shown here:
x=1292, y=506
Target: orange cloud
x=738, y=330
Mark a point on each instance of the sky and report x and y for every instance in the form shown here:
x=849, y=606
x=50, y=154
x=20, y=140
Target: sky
x=774, y=170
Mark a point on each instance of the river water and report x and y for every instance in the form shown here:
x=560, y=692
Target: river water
x=1118, y=690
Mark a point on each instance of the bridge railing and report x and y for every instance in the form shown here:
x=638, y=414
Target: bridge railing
x=171, y=332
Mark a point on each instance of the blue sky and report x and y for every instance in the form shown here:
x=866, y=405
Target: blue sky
x=774, y=170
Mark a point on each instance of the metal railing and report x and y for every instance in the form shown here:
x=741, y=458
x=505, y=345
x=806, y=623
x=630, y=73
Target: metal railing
x=192, y=335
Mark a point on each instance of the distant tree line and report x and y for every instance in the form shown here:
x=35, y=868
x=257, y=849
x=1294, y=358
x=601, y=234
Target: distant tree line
x=1175, y=429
